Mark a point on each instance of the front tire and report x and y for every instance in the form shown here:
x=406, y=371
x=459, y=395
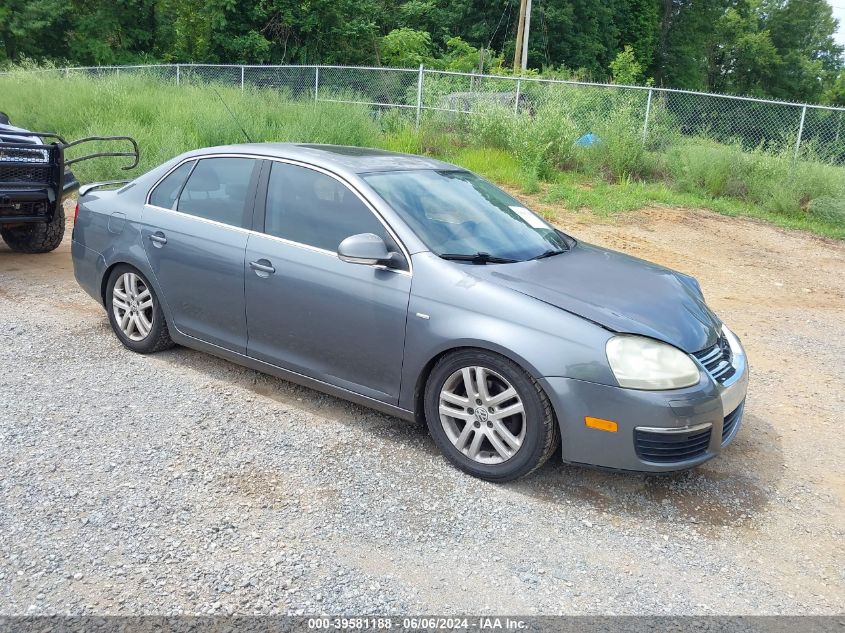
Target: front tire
x=490, y=418
x=135, y=313
x=36, y=237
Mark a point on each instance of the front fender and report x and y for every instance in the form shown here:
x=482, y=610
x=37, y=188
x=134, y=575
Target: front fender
x=450, y=308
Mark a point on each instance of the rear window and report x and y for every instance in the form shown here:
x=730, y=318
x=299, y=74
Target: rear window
x=165, y=194
x=217, y=190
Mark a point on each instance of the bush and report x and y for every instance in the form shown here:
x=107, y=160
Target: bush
x=619, y=153
x=829, y=209
x=775, y=181
x=492, y=125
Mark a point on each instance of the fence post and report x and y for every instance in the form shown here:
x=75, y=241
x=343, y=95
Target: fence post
x=242, y=78
x=516, y=101
x=647, y=113
x=839, y=126
x=177, y=74
x=800, y=130
x=419, y=96
x=316, y=83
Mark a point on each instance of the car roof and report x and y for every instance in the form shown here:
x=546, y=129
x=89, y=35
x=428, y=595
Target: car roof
x=357, y=160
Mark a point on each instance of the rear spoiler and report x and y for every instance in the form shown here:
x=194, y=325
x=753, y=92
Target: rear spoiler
x=85, y=189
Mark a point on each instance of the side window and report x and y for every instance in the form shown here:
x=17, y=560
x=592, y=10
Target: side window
x=164, y=195
x=306, y=206
x=217, y=190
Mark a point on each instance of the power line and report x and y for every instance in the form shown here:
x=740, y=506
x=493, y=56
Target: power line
x=501, y=17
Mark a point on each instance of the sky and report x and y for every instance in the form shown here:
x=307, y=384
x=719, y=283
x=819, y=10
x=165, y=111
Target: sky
x=839, y=14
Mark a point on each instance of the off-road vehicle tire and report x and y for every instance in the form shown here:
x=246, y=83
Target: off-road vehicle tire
x=41, y=237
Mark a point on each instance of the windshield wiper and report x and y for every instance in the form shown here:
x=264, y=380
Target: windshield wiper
x=550, y=253
x=477, y=258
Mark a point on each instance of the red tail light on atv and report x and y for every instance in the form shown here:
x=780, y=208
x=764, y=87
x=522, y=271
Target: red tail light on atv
x=75, y=213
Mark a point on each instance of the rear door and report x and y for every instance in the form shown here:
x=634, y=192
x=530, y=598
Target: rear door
x=307, y=310
x=194, y=234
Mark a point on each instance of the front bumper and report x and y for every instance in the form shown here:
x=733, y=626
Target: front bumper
x=657, y=431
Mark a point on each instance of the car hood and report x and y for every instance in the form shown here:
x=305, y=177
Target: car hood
x=617, y=291
x=18, y=139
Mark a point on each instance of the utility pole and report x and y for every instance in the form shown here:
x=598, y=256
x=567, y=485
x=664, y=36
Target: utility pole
x=520, y=30
x=525, y=35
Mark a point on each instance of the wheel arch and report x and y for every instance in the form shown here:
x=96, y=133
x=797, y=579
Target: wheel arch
x=143, y=268
x=482, y=346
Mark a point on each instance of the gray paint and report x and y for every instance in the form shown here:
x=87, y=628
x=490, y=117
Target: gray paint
x=368, y=333
x=621, y=292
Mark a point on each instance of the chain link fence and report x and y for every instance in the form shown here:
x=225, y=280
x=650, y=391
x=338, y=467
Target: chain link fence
x=661, y=116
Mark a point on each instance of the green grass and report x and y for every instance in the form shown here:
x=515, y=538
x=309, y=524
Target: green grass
x=577, y=192
x=531, y=153
x=167, y=120
x=494, y=164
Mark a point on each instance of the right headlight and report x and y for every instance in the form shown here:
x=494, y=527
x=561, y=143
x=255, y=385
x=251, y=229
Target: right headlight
x=643, y=363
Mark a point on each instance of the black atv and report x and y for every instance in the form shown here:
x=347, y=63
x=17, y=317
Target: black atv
x=35, y=179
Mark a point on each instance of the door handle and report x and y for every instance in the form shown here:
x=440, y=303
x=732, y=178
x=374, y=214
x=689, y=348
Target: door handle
x=158, y=239
x=262, y=266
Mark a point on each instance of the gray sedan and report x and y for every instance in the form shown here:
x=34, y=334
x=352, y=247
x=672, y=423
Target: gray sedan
x=419, y=289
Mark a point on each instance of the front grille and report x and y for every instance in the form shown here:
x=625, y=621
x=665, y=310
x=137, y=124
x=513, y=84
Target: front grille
x=671, y=447
x=731, y=421
x=717, y=360
x=29, y=173
x=24, y=164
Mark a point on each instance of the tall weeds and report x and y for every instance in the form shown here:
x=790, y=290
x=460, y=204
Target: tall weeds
x=522, y=149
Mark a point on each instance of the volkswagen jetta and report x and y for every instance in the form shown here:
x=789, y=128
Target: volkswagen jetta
x=420, y=289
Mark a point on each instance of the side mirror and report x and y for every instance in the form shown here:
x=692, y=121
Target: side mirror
x=367, y=249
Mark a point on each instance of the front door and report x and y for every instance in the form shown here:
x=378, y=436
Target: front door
x=307, y=310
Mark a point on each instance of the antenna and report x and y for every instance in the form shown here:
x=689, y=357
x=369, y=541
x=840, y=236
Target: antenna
x=232, y=114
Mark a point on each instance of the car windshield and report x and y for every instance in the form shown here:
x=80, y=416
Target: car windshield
x=462, y=216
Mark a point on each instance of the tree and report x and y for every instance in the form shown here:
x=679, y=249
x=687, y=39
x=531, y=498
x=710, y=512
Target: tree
x=742, y=58
x=638, y=22
x=405, y=48
x=115, y=32
x=625, y=69
x=835, y=94
x=34, y=29
x=686, y=33
x=802, y=31
x=779, y=48
x=460, y=56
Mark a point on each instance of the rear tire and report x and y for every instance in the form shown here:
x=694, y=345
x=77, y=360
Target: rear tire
x=135, y=313
x=40, y=237
x=490, y=418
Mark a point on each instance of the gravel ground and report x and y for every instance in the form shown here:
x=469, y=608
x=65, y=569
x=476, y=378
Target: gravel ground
x=180, y=483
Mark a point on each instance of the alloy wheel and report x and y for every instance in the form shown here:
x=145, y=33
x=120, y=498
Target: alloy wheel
x=132, y=303
x=482, y=415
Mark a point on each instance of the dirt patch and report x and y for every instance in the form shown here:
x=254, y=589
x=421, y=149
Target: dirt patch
x=338, y=488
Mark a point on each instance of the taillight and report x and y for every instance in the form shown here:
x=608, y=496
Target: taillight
x=75, y=213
